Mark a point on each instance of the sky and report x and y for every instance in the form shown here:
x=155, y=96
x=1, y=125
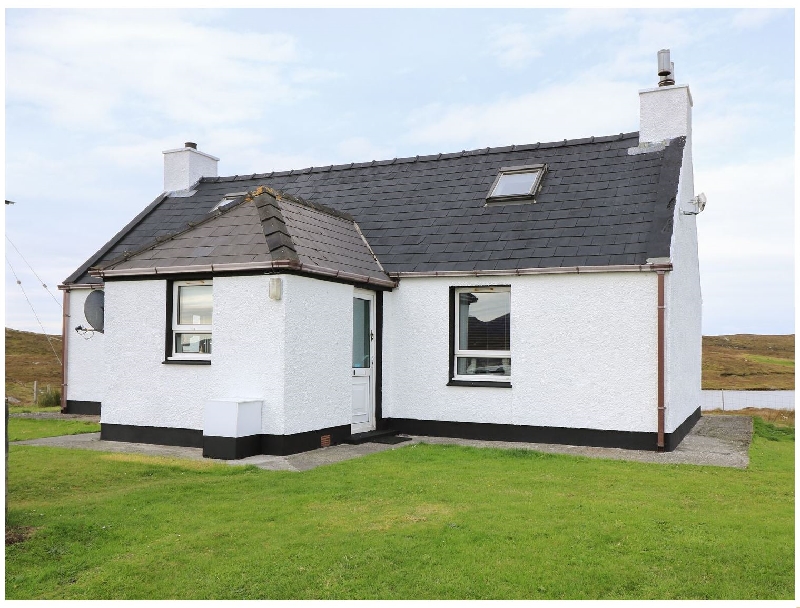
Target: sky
x=94, y=96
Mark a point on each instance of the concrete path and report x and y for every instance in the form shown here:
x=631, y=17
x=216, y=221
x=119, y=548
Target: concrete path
x=721, y=441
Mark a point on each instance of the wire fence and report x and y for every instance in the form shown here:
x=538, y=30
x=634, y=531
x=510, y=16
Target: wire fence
x=739, y=400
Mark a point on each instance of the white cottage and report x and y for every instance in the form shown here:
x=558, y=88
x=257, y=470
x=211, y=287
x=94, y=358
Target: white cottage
x=546, y=292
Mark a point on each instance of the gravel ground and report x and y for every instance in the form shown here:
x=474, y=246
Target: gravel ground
x=721, y=441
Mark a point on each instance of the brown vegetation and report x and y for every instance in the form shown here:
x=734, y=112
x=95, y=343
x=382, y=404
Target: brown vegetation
x=30, y=357
x=748, y=362
x=18, y=534
x=777, y=417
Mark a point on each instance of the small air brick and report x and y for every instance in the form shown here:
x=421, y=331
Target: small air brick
x=325, y=441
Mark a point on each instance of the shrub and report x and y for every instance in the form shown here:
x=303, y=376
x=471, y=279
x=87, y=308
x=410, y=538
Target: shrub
x=49, y=398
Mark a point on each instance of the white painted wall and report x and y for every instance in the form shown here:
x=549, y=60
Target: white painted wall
x=294, y=355
x=85, y=354
x=684, y=337
x=247, y=359
x=140, y=390
x=583, y=353
x=319, y=347
x=666, y=112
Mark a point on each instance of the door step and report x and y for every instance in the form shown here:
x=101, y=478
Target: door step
x=369, y=436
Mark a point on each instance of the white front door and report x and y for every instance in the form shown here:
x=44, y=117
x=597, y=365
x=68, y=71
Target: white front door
x=363, y=377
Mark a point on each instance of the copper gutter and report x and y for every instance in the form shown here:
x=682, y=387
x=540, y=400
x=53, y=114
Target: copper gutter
x=64, y=351
x=661, y=404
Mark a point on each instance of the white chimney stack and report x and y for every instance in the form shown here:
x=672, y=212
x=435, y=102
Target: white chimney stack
x=665, y=112
x=184, y=166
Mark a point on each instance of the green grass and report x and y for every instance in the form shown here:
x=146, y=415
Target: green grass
x=422, y=521
x=772, y=360
x=20, y=429
x=772, y=432
x=31, y=409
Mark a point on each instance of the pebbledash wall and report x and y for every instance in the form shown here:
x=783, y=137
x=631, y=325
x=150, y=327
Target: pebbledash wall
x=85, y=359
x=671, y=116
x=583, y=353
x=293, y=355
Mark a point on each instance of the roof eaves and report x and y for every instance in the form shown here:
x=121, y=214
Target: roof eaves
x=273, y=265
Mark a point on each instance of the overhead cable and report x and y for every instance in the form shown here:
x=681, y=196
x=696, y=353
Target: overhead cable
x=34, y=311
x=34, y=273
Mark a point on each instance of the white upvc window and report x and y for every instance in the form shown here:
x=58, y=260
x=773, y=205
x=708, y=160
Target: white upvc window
x=192, y=305
x=482, y=332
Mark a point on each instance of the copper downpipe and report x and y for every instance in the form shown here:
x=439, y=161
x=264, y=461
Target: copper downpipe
x=661, y=405
x=64, y=350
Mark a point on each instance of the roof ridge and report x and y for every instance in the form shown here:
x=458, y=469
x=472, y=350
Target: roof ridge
x=429, y=157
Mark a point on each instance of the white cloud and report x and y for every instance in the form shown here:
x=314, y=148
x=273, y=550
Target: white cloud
x=89, y=69
x=746, y=247
x=756, y=18
x=516, y=44
x=581, y=108
x=750, y=211
x=360, y=150
x=513, y=45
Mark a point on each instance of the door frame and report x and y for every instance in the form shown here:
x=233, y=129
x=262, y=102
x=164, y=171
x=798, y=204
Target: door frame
x=372, y=297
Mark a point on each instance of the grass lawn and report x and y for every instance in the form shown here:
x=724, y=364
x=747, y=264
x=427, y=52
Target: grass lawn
x=20, y=429
x=422, y=521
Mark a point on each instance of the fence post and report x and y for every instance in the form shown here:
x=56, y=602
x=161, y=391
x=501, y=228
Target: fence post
x=723, y=400
x=35, y=392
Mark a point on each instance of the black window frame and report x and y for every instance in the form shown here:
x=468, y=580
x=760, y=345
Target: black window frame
x=169, y=335
x=489, y=381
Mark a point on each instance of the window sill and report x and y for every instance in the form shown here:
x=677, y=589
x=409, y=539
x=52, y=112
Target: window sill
x=187, y=361
x=484, y=383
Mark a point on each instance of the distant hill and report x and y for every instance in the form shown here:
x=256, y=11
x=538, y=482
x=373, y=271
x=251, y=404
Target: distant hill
x=747, y=361
x=29, y=357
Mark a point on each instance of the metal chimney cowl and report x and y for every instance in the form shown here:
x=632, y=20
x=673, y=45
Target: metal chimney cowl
x=666, y=69
x=183, y=167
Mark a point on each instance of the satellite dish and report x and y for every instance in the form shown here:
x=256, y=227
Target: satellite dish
x=93, y=309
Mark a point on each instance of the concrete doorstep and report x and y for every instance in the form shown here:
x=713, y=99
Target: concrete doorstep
x=721, y=441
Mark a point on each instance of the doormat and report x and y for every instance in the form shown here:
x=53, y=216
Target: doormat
x=390, y=439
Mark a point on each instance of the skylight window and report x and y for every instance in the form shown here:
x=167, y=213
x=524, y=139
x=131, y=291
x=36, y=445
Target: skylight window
x=516, y=183
x=228, y=198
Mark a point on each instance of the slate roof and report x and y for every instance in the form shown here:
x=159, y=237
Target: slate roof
x=603, y=201
x=263, y=228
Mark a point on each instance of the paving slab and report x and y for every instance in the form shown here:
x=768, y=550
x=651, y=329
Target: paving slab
x=721, y=441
